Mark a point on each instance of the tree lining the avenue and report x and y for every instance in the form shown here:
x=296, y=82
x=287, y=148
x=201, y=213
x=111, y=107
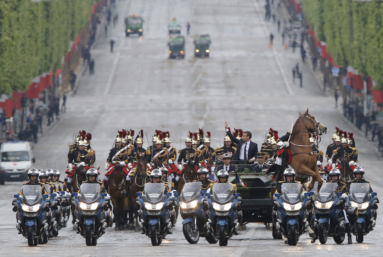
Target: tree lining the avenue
x=352, y=31
x=34, y=37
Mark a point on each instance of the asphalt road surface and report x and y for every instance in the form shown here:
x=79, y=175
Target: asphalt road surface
x=244, y=82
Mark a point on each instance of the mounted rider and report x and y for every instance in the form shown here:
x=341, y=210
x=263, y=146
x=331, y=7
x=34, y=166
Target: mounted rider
x=315, y=149
x=188, y=152
x=206, y=150
x=117, y=154
x=80, y=157
x=137, y=153
x=171, y=153
x=345, y=152
x=334, y=146
x=158, y=154
x=156, y=136
x=283, y=157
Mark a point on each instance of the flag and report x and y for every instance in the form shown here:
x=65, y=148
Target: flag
x=239, y=181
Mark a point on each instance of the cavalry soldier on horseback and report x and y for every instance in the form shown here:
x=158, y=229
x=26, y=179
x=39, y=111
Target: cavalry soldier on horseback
x=283, y=157
x=139, y=150
x=156, y=136
x=171, y=154
x=187, y=152
x=117, y=155
x=331, y=147
x=345, y=151
x=205, y=150
x=158, y=153
x=315, y=149
x=80, y=156
x=207, y=184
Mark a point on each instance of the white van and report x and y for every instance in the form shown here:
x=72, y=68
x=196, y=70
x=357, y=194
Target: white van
x=16, y=160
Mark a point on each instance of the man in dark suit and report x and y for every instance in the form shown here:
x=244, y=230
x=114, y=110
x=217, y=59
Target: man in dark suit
x=246, y=150
x=226, y=163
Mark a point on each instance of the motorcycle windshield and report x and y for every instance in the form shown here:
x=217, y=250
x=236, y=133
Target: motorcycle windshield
x=359, y=192
x=31, y=194
x=154, y=193
x=291, y=192
x=222, y=193
x=90, y=193
x=191, y=191
x=327, y=192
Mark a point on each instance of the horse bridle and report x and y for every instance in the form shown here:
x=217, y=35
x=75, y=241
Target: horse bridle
x=316, y=127
x=143, y=180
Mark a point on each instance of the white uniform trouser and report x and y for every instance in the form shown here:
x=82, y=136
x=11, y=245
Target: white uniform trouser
x=345, y=216
x=278, y=161
x=171, y=177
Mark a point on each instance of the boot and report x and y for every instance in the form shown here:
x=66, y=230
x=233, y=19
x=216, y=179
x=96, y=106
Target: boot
x=127, y=187
x=348, y=230
x=313, y=240
x=69, y=186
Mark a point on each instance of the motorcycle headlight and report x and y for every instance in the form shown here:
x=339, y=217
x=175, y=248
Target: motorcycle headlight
x=197, y=50
x=207, y=50
x=222, y=207
x=360, y=206
x=33, y=208
x=140, y=30
x=320, y=205
x=189, y=205
x=292, y=207
x=154, y=207
x=88, y=207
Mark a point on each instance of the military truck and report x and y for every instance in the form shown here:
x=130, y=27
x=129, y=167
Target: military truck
x=202, y=45
x=174, y=27
x=257, y=202
x=176, y=47
x=133, y=25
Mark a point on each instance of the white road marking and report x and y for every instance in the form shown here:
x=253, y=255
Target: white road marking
x=196, y=81
x=111, y=75
x=267, y=31
x=195, y=66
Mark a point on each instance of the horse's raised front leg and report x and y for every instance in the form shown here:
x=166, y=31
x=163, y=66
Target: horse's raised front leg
x=304, y=170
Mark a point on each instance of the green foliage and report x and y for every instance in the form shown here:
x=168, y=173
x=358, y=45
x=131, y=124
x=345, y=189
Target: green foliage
x=352, y=31
x=34, y=37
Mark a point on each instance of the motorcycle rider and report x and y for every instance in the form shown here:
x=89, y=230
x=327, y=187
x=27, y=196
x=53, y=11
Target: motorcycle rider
x=33, y=175
x=359, y=177
x=334, y=175
x=166, y=178
x=60, y=185
x=43, y=177
x=207, y=184
x=91, y=177
x=289, y=175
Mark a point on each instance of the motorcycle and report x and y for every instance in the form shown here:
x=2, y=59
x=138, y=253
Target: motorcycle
x=226, y=208
x=65, y=207
x=361, y=197
x=154, y=211
x=290, y=211
x=32, y=207
x=53, y=230
x=90, y=207
x=195, y=211
x=329, y=215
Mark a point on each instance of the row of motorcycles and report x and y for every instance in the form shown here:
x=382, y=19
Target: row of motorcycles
x=293, y=214
x=40, y=217
x=213, y=216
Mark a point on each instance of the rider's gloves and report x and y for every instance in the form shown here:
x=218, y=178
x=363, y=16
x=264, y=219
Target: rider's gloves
x=180, y=167
x=170, y=161
x=351, y=163
x=333, y=165
x=106, y=166
x=70, y=166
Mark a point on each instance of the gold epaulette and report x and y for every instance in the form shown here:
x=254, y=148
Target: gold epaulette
x=179, y=151
x=235, y=148
x=320, y=152
x=217, y=148
x=148, y=152
x=197, y=151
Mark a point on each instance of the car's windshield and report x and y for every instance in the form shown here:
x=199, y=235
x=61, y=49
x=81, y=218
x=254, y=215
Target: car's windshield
x=18, y=156
x=135, y=21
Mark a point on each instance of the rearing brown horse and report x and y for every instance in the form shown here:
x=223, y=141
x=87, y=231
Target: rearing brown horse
x=303, y=159
x=137, y=185
x=119, y=200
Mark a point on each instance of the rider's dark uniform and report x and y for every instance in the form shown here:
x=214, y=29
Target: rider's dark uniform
x=139, y=151
x=88, y=157
x=348, y=153
x=318, y=153
x=186, y=153
x=60, y=185
x=342, y=187
x=231, y=149
x=160, y=157
x=205, y=153
x=330, y=149
x=172, y=155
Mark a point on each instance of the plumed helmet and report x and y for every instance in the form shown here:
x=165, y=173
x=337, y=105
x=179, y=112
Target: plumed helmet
x=189, y=138
x=227, y=139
